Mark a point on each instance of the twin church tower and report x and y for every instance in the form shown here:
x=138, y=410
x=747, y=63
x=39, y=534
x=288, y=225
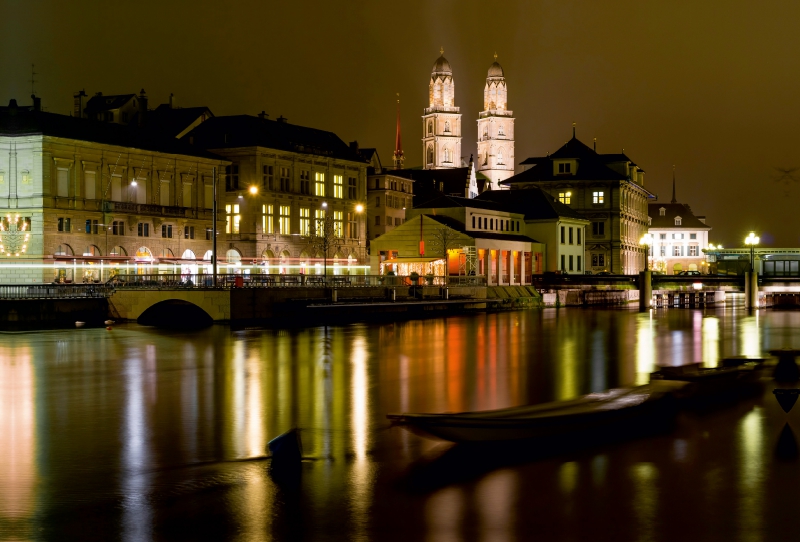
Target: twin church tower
x=441, y=125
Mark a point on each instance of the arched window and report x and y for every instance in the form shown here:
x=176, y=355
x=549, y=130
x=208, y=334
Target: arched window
x=118, y=251
x=144, y=254
x=166, y=253
x=64, y=250
x=500, y=157
x=430, y=154
x=92, y=250
x=187, y=255
x=207, y=256
x=233, y=256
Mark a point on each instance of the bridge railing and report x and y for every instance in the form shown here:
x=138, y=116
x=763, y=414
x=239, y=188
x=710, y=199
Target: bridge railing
x=54, y=291
x=225, y=281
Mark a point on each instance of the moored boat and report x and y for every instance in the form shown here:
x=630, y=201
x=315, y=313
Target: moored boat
x=711, y=382
x=615, y=408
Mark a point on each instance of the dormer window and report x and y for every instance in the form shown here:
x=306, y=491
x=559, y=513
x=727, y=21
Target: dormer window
x=662, y=211
x=564, y=168
x=677, y=221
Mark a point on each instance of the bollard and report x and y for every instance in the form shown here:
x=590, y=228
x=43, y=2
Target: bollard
x=446, y=292
x=394, y=294
x=645, y=290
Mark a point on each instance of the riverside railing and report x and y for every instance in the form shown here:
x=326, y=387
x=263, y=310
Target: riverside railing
x=54, y=291
x=225, y=281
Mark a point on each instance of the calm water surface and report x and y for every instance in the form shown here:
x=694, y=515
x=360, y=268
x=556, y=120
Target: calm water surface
x=136, y=434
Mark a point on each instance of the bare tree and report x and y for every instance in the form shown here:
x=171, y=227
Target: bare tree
x=444, y=239
x=326, y=237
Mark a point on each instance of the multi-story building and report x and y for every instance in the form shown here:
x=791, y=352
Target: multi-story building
x=96, y=196
x=560, y=229
x=605, y=189
x=388, y=196
x=282, y=182
x=678, y=237
x=495, y=130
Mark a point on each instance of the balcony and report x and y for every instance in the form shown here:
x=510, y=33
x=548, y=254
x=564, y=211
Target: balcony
x=156, y=210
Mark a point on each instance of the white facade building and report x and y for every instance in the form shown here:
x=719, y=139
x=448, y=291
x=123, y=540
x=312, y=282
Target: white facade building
x=678, y=239
x=495, y=130
x=441, y=121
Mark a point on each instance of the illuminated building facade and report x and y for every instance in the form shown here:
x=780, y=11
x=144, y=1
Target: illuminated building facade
x=495, y=130
x=480, y=237
x=605, y=189
x=282, y=181
x=388, y=196
x=441, y=120
x=678, y=237
x=103, y=194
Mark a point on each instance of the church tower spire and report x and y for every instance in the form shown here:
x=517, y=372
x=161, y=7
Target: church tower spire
x=673, y=186
x=441, y=120
x=495, y=130
x=398, y=143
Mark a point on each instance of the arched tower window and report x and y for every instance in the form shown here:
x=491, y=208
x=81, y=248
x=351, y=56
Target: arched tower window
x=500, y=157
x=430, y=154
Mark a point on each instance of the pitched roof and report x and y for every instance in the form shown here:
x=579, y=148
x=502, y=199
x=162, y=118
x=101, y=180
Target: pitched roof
x=459, y=226
x=99, y=102
x=671, y=211
x=174, y=121
x=16, y=122
x=534, y=203
x=249, y=131
x=442, y=201
x=592, y=166
x=430, y=183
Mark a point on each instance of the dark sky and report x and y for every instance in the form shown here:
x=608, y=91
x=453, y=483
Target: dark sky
x=712, y=87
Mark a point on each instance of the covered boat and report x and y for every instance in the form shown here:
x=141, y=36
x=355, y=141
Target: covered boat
x=612, y=409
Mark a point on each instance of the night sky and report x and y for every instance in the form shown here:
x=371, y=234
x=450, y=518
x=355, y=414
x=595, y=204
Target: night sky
x=711, y=87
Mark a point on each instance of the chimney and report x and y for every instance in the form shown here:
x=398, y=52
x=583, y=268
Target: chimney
x=142, y=107
x=263, y=115
x=354, y=146
x=702, y=219
x=283, y=119
x=37, y=103
x=77, y=105
x=171, y=101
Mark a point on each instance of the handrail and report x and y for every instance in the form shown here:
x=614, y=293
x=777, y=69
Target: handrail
x=54, y=291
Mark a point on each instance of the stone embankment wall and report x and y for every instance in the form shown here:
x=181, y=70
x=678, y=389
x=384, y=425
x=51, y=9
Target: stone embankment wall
x=44, y=313
x=515, y=297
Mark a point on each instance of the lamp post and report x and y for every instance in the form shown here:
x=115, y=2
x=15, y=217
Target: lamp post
x=751, y=241
x=359, y=212
x=646, y=241
x=751, y=278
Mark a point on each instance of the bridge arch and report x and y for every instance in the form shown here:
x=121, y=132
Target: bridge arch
x=175, y=314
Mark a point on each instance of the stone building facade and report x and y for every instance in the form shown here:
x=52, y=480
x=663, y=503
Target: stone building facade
x=495, y=131
x=441, y=120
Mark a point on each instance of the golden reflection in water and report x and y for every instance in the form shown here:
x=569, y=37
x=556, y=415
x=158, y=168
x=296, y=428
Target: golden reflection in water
x=645, y=499
x=444, y=513
x=751, y=439
x=710, y=341
x=568, y=477
x=645, y=347
x=599, y=470
x=497, y=496
x=254, y=437
x=18, y=472
x=566, y=369
x=749, y=339
x=361, y=473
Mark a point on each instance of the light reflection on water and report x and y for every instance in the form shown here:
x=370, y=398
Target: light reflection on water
x=163, y=436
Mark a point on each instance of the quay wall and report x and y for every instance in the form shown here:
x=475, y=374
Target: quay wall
x=45, y=313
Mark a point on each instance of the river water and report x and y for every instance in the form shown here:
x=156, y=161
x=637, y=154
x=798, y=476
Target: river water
x=137, y=434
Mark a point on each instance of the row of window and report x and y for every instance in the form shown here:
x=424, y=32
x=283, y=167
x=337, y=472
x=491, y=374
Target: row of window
x=564, y=230
x=598, y=196
x=393, y=185
x=663, y=236
x=680, y=250
x=284, y=182
x=117, y=227
x=395, y=202
x=570, y=260
x=282, y=226
x=495, y=224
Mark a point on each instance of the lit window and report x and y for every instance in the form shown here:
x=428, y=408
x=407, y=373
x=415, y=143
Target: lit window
x=305, y=221
x=338, y=223
x=232, y=218
x=565, y=197
x=267, y=219
x=285, y=216
x=693, y=250
x=597, y=197
x=338, y=184
x=319, y=184
x=319, y=221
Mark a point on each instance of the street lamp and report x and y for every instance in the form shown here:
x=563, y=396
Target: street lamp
x=751, y=241
x=646, y=241
x=359, y=211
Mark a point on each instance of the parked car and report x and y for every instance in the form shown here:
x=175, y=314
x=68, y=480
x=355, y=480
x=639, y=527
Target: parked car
x=603, y=273
x=689, y=273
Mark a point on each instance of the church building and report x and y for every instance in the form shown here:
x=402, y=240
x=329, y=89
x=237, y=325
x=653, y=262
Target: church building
x=495, y=131
x=441, y=121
